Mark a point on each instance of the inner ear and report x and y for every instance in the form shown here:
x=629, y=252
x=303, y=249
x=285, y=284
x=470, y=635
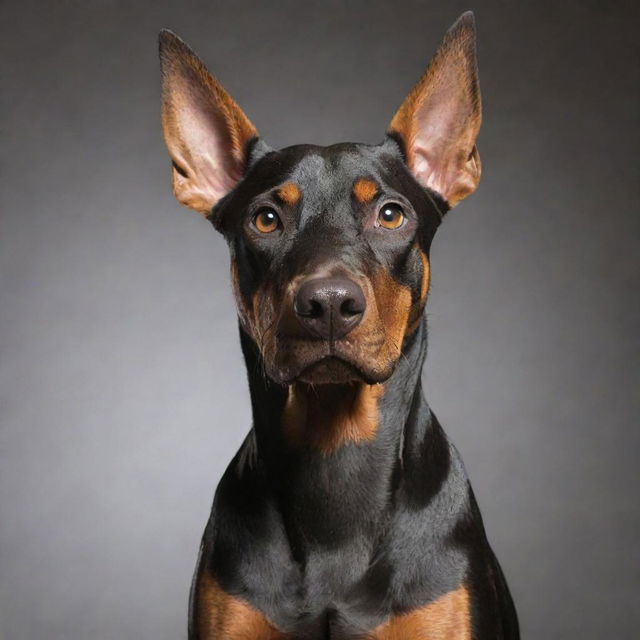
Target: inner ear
x=207, y=134
x=439, y=121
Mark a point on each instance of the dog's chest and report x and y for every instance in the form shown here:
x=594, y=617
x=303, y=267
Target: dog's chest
x=326, y=591
x=343, y=593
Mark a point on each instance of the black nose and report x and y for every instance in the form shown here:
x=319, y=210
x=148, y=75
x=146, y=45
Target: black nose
x=329, y=307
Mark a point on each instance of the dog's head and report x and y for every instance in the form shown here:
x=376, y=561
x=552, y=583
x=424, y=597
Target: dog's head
x=329, y=245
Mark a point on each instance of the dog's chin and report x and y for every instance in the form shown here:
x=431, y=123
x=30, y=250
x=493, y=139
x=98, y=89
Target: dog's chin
x=331, y=370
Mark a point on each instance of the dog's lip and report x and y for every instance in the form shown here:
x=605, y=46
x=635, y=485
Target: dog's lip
x=322, y=350
x=359, y=372
x=332, y=357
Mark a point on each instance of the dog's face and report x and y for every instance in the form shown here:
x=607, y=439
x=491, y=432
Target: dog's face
x=329, y=245
x=329, y=259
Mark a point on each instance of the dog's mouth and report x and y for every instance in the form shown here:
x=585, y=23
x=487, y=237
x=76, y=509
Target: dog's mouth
x=320, y=362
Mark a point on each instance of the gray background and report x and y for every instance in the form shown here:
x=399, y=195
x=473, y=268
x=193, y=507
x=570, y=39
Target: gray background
x=123, y=389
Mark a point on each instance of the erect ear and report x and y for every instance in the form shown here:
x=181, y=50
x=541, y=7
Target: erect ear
x=206, y=132
x=439, y=120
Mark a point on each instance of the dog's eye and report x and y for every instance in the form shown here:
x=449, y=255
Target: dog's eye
x=391, y=216
x=266, y=220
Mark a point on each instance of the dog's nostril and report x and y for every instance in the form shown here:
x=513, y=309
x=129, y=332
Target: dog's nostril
x=314, y=310
x=308, y=307
x=351, y=307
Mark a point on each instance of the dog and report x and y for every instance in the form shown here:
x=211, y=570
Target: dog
x=346, y=513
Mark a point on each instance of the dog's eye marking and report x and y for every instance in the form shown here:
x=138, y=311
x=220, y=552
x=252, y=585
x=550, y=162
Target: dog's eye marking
x=364, y=190
x=289, y=194
x=391, y=216
x=266, y=220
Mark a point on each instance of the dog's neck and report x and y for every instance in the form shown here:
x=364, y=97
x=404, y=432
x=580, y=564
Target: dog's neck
x=333, y=455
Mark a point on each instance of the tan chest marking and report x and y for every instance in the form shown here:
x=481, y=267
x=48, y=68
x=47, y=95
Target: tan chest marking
x=324, y=418
x=220, y=616
x=448, y=618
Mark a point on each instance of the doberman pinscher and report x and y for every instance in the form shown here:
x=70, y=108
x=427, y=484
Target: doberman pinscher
x=347, y=512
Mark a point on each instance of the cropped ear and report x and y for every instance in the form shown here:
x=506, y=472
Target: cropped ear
x=439, y=120
x=206, y=132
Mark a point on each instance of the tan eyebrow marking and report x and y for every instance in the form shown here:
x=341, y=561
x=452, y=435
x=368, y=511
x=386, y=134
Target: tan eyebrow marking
x=289, y=193
x=364, y=190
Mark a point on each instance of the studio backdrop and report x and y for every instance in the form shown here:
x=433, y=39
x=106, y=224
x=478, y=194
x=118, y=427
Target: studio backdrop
x=123, y=391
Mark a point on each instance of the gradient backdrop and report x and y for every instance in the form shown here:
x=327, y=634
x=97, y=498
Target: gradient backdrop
x=123, y=389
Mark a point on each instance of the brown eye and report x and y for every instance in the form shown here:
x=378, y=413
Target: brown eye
x=266, y=220
x=391, y=216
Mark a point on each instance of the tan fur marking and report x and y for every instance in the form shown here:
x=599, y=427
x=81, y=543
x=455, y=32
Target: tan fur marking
x=235, y=286
x=448, y=618
x=327, y=416
x=365, y=190
x=424, y=286
x=257, y=315
x=224, y=617
x=290, y=194
x=394, y=305
x=245, y=313
x=262, y=326
x=416, y=313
